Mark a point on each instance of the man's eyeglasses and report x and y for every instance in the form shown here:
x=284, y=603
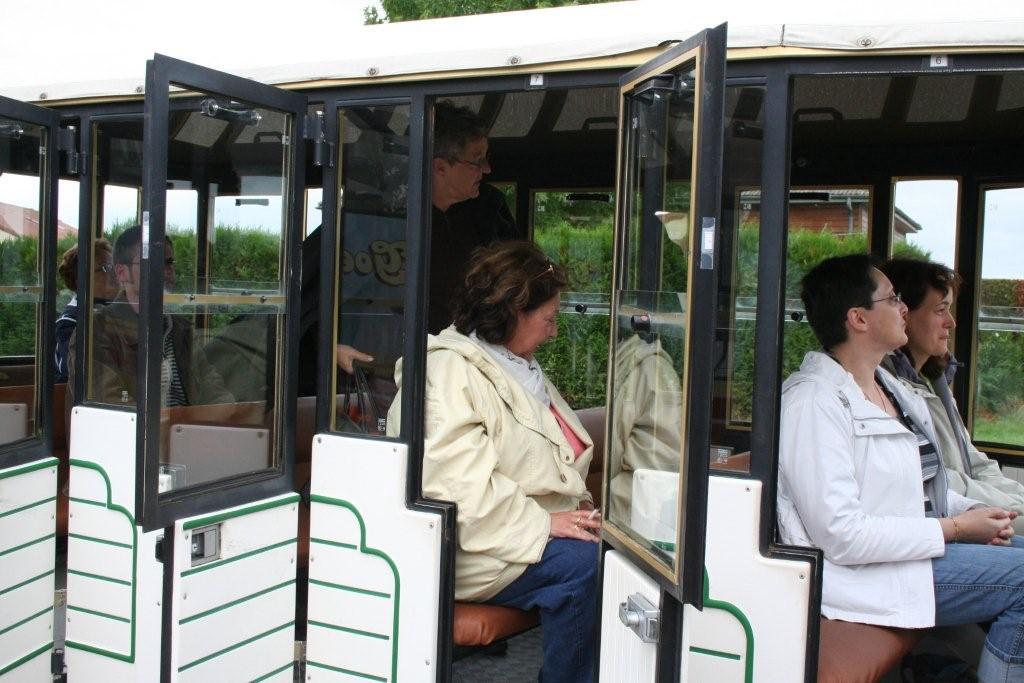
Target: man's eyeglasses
x=105, y=268
x=895, y=299
x=482, y=164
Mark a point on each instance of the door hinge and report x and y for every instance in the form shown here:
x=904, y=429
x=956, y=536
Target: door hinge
x=323, y=149
x=159, y=549
x=67, y=142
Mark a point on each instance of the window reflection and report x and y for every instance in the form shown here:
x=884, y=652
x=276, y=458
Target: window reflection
x=648, y=367
x=374, y=171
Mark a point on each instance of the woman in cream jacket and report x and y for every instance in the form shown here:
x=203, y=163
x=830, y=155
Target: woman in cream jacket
x=506, y=448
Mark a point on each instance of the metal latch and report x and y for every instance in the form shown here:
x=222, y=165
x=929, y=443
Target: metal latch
x=641, y=616
x=205, y=545
x=323, y=149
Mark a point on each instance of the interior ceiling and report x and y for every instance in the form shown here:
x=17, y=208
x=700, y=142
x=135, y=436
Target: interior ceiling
x=908, y=108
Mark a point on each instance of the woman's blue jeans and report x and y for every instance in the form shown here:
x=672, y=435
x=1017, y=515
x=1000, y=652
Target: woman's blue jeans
x=563, y=585
x=979, y=583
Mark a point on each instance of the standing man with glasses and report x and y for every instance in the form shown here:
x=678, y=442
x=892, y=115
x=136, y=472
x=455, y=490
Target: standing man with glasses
x=468, y=213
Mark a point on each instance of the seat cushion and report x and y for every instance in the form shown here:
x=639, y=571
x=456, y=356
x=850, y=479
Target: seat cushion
x=859, y=653
x=476, y=624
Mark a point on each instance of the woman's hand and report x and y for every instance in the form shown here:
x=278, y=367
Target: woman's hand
x=577, y=524
x=981, y=525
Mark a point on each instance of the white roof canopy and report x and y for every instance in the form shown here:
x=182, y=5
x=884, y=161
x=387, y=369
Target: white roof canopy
x=106, y=48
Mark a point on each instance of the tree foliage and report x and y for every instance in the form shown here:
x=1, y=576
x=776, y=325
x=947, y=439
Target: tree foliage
x=410, y=10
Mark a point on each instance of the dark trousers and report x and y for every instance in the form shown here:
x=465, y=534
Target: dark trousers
x=563, y=585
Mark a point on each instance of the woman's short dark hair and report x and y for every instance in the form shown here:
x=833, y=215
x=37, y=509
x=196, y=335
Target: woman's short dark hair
x=503, y=280
x=831, y=289
x=913, y=278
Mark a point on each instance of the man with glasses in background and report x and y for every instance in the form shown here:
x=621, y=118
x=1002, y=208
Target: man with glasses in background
x=468, y=213
x=186, y=378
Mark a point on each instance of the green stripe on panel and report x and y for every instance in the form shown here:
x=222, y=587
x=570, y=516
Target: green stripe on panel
x=96, y=539
x=25, y=469
x=251, y=509
x=336, y=544
x=8, y=629
x=350, y=589
x=289, y=665
x=221, y=563
x=112, y=506
x=748, y=665
x=346, y=629
x=231, y=648
x=365, y=549
x=27, y=658
x=26, y=582
x=86, y=501
x=28, y=507
x=34, y=541
x=96, y=613
x=100, y=577
x=239, y=601
x=714, y=653
x=350, y=672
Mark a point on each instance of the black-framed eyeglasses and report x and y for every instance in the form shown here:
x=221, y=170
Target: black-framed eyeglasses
x=895, y=299
x=485, y=162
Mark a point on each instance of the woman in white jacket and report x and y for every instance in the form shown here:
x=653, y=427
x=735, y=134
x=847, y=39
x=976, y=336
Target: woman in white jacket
x=503, y=444
x=859, y=478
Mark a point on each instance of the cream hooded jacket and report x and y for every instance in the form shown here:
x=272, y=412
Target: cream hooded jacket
x=500, y=455
x=648, y=419
x=850, y=483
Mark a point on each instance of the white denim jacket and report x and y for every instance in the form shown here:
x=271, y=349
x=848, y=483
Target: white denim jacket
x=850, y=483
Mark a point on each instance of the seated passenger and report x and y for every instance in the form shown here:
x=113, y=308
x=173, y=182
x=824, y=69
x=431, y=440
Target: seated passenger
x=503, y=444
x=186, y=378
x=925, y=365
x=104, y=288
x=860, y=479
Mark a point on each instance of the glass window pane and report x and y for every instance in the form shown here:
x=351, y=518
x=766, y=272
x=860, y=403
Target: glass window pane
x=924, y=219
x=22, y=203
x=111, y=352
x=223, y=303
x=734, y=387
x=998, y=379
x=575, y=230
x=67, y=238
x=648, y=382
x=374, y=177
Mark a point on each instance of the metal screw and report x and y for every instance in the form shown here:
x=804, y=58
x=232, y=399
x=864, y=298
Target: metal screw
x=802, y=577
x=747, y=489
x=319, y=439
x=43, y=95
x=139, y=90
x=431, y=525
x=372, y=71
x=865, y=41
x=427, y=662
x=184, y=596
x=514, y=60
